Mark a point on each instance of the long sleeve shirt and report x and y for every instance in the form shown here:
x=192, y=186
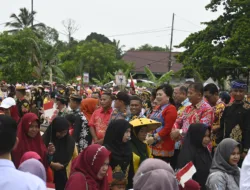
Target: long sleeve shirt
x=11, y=178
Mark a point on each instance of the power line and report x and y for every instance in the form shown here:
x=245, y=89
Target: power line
x=183, y=31
x=188, y=21
x=142, y=32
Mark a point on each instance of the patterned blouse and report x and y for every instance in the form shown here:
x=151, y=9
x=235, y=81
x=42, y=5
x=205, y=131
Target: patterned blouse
x=81, y=135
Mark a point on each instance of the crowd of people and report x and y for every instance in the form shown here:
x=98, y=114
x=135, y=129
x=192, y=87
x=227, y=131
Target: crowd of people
x=110, y=139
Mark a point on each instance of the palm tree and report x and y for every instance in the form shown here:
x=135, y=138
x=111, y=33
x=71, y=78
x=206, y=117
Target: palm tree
x=23, y=20
x=118, y=48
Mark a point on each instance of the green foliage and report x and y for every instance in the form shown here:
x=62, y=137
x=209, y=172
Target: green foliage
x=226, y=57
x=148, y=47
x=158, y=81
x=98, y=37
x=34, y=53
x=16, y=56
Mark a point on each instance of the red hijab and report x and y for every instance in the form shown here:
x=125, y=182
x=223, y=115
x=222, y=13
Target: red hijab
x=89, y=163
x=27, y=143
x=14, y=113
x=88, y=106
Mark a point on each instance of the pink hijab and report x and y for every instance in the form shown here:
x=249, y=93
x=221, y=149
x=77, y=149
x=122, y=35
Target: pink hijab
x=29, y=155
x=155, y=174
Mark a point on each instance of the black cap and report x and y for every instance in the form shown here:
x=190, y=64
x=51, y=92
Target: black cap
x=123, y=96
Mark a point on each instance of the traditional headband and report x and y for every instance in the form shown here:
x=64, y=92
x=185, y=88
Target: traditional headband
x=238, y=85
x=98, y=150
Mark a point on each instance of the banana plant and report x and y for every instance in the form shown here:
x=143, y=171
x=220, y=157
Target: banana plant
x=158, y=81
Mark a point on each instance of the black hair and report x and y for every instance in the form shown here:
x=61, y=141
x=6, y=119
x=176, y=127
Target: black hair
x=225, y=97
x=108, y=94
x=8, y=133
x=78, y=101
x=71, y=118
x=198, y=87
x=23, y=91
x=211, y=88
x=134, y=97
x=153, y=93
x=183, y=89
x=168, y=90
x=99, y=95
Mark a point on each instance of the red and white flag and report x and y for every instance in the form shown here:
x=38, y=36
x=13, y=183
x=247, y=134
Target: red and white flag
x=49, y=109
x=186, y=173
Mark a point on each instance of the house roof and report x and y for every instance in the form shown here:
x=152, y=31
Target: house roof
x=155, y=60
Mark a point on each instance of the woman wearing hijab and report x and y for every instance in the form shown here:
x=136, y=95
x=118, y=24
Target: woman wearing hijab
x=88, y=106
x=30, y=155
x=116, y=141
x=195, y=150
x=155, y=174
x=30, y=140
x=141, y=150
x=34, y=167
x=224, y=172
x=58, y=134
x=89, y=169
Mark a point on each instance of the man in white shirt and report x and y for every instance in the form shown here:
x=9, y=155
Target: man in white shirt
x=10, y=177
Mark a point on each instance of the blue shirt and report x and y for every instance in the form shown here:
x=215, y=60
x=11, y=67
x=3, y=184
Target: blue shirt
x=13, y=179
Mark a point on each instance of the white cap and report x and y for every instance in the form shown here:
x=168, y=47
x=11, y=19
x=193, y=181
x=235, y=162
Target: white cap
x=7, y=103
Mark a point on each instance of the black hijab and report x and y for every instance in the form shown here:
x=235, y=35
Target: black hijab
x=64, y=146
x=193, y=145
x=221, y=159
x=193, y=150
x=120, y=151
x=138, y=147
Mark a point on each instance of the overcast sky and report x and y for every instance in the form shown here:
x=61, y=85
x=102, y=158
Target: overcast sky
x=115, y=17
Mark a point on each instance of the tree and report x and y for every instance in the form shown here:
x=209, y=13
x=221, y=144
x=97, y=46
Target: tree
x=158, y=81
x=98, y=37
x=118, y=47
x=221, y=49
x=93, y=57
x=70, y=27
x=148, y=47
x=16, y=54
x=23, y=20
x=49, y=35
x=99, y=58
x=46, y=67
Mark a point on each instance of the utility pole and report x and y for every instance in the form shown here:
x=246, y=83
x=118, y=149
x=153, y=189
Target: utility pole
x=170, y=47
x=32, y=5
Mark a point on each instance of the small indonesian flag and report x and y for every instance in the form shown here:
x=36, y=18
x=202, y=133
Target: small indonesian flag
x=132, y=84
x=49, y=109
x=186, y=173
x=49, y=105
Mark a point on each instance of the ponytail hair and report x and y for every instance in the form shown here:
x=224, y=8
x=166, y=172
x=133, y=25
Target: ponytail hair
x=171, y=101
